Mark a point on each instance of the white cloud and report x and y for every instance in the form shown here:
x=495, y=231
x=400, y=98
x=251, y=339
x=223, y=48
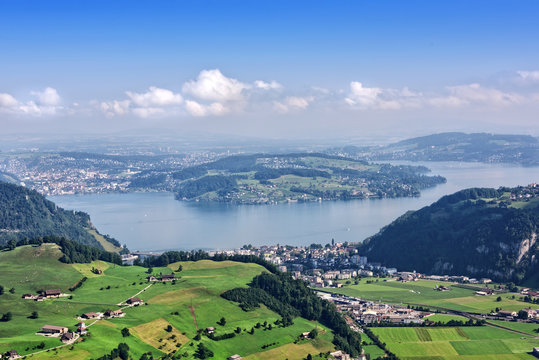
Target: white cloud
x=115, y=107
x=212, y=85
x=7, y=100
x=47, y=97
x=196, y=109
x=146, y=112
x=155, y=97
x=529, y=76
x=382, y=99
x=293, y=103
x=475, y=94
x=272, y=85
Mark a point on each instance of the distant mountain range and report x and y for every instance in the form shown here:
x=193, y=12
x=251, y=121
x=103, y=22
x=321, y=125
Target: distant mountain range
x=454, y=146
x=25, y=213
x=475, y=232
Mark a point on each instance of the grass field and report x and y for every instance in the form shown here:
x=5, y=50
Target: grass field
x=422, y=292
x=456, y=343
x=29, y=269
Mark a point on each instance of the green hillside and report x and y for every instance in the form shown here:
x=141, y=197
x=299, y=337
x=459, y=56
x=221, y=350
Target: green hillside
x=193, y=301
x=476, y=232
x=25, y=213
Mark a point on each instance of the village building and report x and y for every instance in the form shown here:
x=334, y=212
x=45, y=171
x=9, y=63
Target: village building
x=507, y=313
x=54, y=293
x=55, y=330
x=114, y=313
x=91, y=315
x=210, y=330
x=234, y=357
x=28, y=296
x=68, y=338
x=151, y=278
x=170, y=277
x=134, y=301
x=11, y=355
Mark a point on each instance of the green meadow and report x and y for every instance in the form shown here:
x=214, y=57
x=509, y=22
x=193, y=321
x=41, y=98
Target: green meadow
x=422, y=292
x=189, y=303
x=419, y=343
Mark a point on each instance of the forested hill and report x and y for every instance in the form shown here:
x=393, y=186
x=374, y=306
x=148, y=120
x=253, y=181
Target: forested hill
x=475, y=232
x=25, y=213
x=455, y=146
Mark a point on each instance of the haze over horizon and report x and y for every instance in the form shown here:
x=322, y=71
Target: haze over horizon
x=276, y=70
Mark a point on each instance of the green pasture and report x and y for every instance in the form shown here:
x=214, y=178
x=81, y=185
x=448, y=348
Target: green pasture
x=422, y=292
x=196, y=293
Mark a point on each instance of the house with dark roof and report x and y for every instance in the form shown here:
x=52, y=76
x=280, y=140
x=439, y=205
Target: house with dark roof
x=10, y=355
x=54, y=293
x=134, y=301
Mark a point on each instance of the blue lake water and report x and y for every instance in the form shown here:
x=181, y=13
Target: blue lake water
x=155, y=221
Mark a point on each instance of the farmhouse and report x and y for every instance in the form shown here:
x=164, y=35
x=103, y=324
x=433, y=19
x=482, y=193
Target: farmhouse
x=234, y=357
x=507, y=313
x=210, y=330
x=168, y=277
x=114, y=313
x=28, y=296
x=151, y=278
x=52, y=329
x=134, y=301
x=11, y=354
x=52, y=293
x=91, y=315
x=68, y=338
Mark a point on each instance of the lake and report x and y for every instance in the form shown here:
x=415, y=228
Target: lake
x=155, y=221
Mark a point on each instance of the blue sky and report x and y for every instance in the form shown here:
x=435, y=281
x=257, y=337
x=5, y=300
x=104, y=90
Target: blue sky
x=421, y=66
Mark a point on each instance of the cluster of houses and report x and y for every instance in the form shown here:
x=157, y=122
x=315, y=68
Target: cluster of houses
x=531, y=314
x=45, y=294
x=62, y=332
x=341, y=355
x=369, y=312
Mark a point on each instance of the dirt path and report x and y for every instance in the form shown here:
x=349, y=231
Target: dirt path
x=141, y=291
x=194, y=317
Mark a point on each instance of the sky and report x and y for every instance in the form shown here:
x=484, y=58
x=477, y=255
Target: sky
x=275, y=69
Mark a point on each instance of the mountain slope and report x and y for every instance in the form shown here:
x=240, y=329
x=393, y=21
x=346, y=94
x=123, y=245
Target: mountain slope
x=456, y=146
x=475, y=232
x=25, y=213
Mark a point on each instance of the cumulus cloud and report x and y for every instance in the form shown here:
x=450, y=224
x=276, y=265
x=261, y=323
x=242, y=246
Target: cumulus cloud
x=47, y=97
x=292, y=103
x=364, y=97
x=155, y=97
x=115, y=107
x=7, y=100
x=272, y=85
x=212, y=85
x=196, y=109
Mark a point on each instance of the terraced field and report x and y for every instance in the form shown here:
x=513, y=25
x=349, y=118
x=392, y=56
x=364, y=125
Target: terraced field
x=464, y=343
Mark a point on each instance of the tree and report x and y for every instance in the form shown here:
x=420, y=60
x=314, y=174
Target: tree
x=180, y=268
x=6, y=317
x=222, y=322
x=309, y=357
x=123, y=350
x=34, y=315
x=314, y=333
x=125, y=332
x=168, y=328
x=12, y=290
x=499, y=298
x=522, y=314
x=1, y=290
x=150, y=270
x=202, y=352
